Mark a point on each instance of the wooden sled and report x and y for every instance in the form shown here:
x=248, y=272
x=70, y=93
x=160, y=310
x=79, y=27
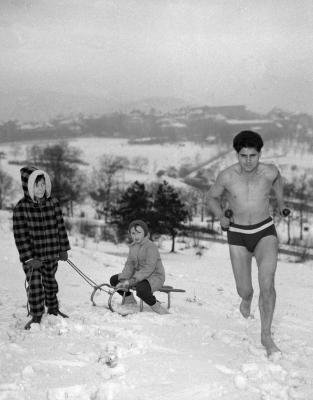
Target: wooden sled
x=164, y=289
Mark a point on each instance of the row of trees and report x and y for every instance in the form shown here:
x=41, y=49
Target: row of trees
x=187, y=125
x=161, y=205
x=299, y=191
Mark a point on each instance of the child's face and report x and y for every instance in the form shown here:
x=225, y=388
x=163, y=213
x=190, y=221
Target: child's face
x=40, y=189
x=137, y=234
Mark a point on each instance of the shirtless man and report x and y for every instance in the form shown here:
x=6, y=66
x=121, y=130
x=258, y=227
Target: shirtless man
x=251, y=232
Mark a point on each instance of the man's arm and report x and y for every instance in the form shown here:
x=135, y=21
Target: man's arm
x=279, y=191
x=214, y=196
x=214, y=200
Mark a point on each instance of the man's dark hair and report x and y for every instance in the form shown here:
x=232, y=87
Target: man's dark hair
x=247, y=139
x=39, y=178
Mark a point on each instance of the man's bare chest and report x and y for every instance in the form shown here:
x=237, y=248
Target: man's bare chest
x=240, y=186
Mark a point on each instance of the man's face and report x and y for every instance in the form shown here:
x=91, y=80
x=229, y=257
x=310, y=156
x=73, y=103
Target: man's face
x=39, y=189
x=248, y=158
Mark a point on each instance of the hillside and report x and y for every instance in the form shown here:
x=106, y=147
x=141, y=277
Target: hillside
x=31, y=105
x=203, y=350
x=172, y=121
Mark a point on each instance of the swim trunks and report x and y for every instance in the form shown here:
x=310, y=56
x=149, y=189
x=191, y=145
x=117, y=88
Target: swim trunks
x=249, y=235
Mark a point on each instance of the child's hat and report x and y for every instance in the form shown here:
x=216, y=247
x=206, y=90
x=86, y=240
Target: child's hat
x=142, y=224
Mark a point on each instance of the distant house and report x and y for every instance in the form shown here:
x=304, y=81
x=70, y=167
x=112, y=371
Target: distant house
x=34, y=125
x=171, y=122
x=136, y=116
x=252, y=124
x=229, y=112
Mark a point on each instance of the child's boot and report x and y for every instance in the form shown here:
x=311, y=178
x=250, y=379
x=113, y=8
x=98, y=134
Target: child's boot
x=33, y=320
x=159, y=309
x=57, y=312
x=130, y=300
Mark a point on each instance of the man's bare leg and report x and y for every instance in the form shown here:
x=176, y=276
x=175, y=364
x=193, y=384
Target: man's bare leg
x=266, y=258
x=245, y=307
x=241, y=263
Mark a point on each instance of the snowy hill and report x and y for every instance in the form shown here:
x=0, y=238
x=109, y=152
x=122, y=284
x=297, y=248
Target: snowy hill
x=203, y=350
x=159, y=104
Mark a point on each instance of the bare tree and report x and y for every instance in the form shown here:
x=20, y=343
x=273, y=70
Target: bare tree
x=140, y=163
x=16, y=150
x=300, y=193
x=60, y=161
x=105, y=184
x=6, y=187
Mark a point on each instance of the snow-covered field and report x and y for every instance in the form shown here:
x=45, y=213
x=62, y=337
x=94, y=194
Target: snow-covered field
x=92, y=149
x=203, y=350
x=159, y=156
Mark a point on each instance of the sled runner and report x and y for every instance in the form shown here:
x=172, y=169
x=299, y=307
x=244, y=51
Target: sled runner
x=164, y=289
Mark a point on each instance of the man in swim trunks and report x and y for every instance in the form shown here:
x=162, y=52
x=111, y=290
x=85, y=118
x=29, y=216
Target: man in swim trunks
x=251, y=231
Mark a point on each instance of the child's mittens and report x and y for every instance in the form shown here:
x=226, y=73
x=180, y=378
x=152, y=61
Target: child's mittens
x=132, y=282
x=123, y=284
x=126, y=284
x=34, y=263
x=63, y=256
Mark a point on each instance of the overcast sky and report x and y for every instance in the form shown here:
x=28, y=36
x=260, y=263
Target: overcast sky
x=215, y=52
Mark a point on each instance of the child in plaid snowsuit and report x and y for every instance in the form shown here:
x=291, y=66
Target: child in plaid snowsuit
x=41, y=240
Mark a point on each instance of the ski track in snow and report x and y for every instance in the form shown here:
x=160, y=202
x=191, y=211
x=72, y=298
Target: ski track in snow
x=203, y=350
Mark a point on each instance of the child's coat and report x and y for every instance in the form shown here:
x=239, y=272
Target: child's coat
x=38, y=228
x=144, y=262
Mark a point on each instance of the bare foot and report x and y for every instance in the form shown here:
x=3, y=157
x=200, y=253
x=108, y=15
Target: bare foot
x=245, y=307
x=269, y=345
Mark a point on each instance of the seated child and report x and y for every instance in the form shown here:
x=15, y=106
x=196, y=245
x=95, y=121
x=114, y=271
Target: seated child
x=143, y=269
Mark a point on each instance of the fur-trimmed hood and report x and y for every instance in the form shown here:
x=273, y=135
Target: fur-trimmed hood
x=28, y=177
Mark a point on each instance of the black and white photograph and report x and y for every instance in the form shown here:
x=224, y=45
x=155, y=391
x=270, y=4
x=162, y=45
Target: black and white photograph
x=156, y=199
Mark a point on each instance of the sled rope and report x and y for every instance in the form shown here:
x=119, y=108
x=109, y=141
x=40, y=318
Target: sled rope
x=88, y=279
x=27, y=288
x=96, y=287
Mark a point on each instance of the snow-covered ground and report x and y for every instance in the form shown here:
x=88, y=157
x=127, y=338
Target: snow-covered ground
x=158, y=156
x=203, y=350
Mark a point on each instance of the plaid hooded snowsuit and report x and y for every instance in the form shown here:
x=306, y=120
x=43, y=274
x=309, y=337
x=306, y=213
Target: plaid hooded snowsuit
x=40, y=233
